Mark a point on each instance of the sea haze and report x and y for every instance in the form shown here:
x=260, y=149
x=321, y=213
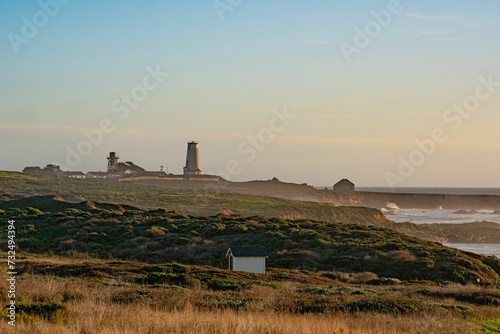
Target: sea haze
x=484, y=249
x=430, y=190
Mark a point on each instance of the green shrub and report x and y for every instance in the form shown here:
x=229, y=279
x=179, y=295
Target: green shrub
x=489, y=327
x=72, y=212
x=34, y=211
x=218, y=226
x=240, y=228
x=224, y=285
x=233, y=304
x=51, y=311
x=390, y=306
x=183, y=241
x=273, y=285
x=15, y=212
x=29, y=228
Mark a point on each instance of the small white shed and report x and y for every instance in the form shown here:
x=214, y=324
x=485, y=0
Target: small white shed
x=247, y=258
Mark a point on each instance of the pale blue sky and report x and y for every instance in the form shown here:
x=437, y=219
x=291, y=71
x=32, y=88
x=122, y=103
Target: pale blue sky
x=227, y=76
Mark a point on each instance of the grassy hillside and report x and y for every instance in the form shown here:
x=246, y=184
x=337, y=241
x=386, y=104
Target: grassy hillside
x=64, y=295
x=162, y=236
x=186, y=201
x=101, y=257
x=192, y=198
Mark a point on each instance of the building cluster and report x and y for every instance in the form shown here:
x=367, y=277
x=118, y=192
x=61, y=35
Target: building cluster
x=128, y=171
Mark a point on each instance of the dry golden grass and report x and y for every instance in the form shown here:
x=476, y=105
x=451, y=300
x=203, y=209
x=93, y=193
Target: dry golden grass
x=91, y=310
x=91, y=317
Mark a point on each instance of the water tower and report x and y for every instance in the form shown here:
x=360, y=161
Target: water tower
x=112, y=163
x=192, y=159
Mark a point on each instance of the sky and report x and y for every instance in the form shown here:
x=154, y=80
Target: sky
x=384, y=93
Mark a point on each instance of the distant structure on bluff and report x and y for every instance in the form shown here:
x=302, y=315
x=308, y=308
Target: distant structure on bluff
x=128, y=171
x=47, y=170
x=112, y=163
x=343, y=185
x=192, y=160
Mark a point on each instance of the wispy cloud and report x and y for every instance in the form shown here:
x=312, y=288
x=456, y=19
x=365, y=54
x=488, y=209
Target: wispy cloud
x=340, y=117
x=39, y=128
x=439, y=18
x=356, y=141
x=310, y=42
x=417, y=114
x=436, y=32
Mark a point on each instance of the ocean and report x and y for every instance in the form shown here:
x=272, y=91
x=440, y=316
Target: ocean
x=484, y=249
x=429, y=190
x=440, y=216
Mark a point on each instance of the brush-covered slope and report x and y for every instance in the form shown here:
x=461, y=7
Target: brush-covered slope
x=244, y=198
x=195, y=201
x=162, y=236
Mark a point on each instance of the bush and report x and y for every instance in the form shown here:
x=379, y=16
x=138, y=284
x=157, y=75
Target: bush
x=162, y=278
x=51, y=311
x=157, y=231
x=383, y=305
x=29, y=228
x=489, y=326
x=34, y=211
x=183, y=241
x=365, y=277
x=225, y=285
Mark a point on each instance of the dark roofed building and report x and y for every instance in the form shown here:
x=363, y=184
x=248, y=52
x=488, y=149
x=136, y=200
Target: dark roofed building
x=247, y=258
x=343, y=185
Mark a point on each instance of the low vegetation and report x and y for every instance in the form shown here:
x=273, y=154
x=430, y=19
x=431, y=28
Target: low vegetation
x=69, y=295
x=115, y=263
x=158, y=236
x=197, y=201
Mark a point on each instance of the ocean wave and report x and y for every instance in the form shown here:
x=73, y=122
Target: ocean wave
x=440, y=216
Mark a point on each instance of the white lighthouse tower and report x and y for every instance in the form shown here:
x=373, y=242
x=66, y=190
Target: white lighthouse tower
x=192, y=160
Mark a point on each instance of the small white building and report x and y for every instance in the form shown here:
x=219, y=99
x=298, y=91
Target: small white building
x=96, y=175
x=74, y=175
x=247, y=258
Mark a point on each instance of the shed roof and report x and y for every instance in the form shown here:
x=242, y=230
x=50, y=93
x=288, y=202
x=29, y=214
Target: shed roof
x=73, y=173
x=343, y=181
x=247, y=251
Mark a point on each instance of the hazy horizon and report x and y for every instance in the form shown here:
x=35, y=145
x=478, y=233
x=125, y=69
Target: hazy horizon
x=384, y=93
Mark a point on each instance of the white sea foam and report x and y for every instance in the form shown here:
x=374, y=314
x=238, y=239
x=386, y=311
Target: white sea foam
x=392, y=206
x=439, y=216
